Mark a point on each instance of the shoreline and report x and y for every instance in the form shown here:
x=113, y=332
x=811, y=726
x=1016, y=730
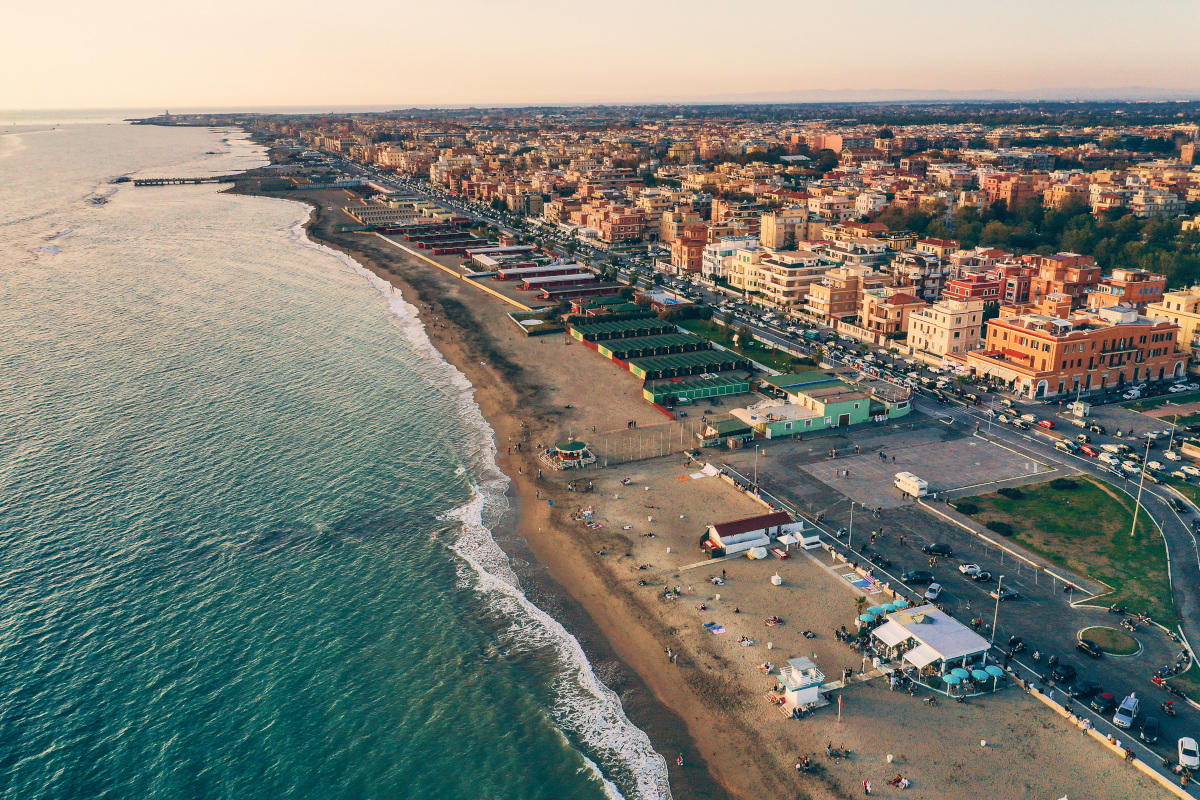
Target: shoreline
x=527, y=533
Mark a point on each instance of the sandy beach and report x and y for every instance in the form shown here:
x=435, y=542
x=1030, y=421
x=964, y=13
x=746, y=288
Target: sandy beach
x=708, y=704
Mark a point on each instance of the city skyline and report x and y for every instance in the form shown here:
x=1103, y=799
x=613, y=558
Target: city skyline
x=398, y=55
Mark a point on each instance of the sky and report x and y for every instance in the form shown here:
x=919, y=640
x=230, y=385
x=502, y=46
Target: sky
x=223, y=54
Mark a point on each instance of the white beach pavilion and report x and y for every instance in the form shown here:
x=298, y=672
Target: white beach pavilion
x=930, y=640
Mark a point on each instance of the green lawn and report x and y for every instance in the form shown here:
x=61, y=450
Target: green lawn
x=1086, y=530
x=774, y=359
x=1188, y=682
x=1155, y=402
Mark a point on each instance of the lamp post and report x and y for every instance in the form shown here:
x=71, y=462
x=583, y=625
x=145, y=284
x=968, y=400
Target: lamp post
x=850, y=537
x=996, y=616
x=1141, y=484
x=756, y=449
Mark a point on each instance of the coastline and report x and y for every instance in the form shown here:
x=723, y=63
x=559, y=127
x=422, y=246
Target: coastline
x=572, y=593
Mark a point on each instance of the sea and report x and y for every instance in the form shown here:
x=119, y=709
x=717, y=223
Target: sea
x=247, y=511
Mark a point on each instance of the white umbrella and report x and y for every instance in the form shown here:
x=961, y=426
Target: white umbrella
x=788, y=539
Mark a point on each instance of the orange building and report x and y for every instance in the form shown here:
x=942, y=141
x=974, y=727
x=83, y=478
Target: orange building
x=1063, y=273
x=1130, y=287
x=1042, y=355
x=687, y=250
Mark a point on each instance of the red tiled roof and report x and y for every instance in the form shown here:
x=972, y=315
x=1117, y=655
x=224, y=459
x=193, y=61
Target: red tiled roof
x=752, y=523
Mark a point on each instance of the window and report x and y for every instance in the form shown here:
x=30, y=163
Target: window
x=808, y=423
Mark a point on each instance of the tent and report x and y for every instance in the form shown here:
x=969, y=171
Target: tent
x=922, y=656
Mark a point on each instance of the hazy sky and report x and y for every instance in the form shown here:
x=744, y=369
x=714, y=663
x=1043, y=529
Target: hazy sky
x=234, y=53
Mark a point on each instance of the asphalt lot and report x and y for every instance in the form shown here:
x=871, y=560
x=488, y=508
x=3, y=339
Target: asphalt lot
x=804, y=476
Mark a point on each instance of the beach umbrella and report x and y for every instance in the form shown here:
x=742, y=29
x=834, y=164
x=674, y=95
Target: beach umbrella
x=876, y=610
x=960, y=672
x=995, y=672
x=890, y=607
x=951, y=679
x=866, y=617
x=979, y=675
x=899, y=604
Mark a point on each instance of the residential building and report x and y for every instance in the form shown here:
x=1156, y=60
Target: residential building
x=923, y=275
x=1130, y=287
x=1063, y=273
x=1182, y=308
x=784, y=277
x=974, y=287
x=856, y=252
x=717, y=259
x=781, y=229
x=687, y=249
x=837, y=296
x=1044, y=355
x=1014, y=281
x=886, y=311
x=946, y=328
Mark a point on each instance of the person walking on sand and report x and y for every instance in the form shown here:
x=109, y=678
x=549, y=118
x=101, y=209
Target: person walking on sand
x=866, y=786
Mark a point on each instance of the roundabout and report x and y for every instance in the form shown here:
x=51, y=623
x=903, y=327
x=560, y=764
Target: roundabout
x=1112, y=641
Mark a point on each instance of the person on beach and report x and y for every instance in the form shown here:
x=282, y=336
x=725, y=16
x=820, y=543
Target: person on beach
x=866, y=786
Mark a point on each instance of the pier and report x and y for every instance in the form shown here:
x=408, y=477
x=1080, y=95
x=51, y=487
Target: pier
x=179, y=181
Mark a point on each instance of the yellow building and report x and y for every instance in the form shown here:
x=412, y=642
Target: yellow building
x=946, y=327
x=1182, y=307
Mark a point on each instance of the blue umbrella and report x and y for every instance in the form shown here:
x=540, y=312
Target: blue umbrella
x=994, y=671
x=890, y=607
x=979, y=675
x=876, y=610
x=899, y=604
x=951, y=679
x=960, y=672
x=867, y=617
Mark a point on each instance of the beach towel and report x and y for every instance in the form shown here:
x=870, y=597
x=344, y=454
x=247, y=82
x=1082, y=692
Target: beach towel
x=717, y=629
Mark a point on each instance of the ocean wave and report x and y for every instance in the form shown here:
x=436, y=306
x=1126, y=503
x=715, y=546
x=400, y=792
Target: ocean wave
x=584, y=707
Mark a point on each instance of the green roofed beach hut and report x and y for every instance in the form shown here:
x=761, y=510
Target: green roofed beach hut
x=645, y=346
x=622, y=329
x=695, y=388
x=684, y=364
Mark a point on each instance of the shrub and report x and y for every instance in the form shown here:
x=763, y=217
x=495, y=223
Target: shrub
x=966, y=508
x=1063, y=484
x=1011, y=492
x=1002, y=528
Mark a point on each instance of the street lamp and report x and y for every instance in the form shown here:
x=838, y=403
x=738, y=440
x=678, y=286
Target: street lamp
x=996, y=616
x=850, y=537
x=1141, y=484
x=756, y=449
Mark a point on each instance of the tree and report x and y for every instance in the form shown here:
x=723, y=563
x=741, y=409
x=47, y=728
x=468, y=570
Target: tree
x=893, y=352
x=744, y=335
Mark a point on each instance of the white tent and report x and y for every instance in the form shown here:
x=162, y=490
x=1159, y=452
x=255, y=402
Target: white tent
x=922, y=656
x=891, y=634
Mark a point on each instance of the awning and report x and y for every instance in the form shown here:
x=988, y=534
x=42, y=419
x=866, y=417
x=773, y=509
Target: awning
x=788, y=538
x=921, y=657
x=891, y=634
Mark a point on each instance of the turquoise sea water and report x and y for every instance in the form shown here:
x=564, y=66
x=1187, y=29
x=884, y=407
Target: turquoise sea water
x=244, y=514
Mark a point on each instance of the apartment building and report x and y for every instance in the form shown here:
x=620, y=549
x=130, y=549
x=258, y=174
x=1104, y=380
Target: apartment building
x=717, y=259
x=782, y=279
x=941, y=248
x=886, y=311
x=946, y=328
x=922, y=275
x=974, y=287
x=837, y=296
x=673, y=222
x=784, y=227
x=1014, y=281
x=1182, y=308
x=1044, y=355
x=856, y=252
x=1148, y=202
x=1063, y=273
x=687, y=249
x=1130, y=287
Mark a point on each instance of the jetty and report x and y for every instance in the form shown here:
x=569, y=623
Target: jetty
x=178, y=181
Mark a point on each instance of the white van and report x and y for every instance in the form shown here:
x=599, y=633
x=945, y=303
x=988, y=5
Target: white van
x=911, y=485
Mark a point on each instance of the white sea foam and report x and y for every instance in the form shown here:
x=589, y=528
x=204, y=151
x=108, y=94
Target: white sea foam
x=585, y=708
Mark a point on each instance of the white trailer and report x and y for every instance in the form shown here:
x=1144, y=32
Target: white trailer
x=911, y=485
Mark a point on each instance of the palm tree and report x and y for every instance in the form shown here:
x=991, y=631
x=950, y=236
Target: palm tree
x=864, y=348
x=893, y=352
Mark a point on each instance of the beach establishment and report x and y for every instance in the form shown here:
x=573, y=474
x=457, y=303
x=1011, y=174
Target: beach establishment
x=946, y=655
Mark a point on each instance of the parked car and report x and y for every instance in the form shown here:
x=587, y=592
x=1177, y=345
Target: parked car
x=1066, y=446
x=1177, y=388
x=938, y=550
x=1048, y=424
x=1126, y=713
x=1172, y=455
x=1063, y=673
x=1110, y=447
x=1155, y=465
x=933, y=592
x=1007, y=593
x=1103, y=703
x=917, y=576
x=1089, y=647
x=969, y=569
x=1179, y=505
x=1020, y=425
x=1088, y=450
x=1030, y=418
x=1188, y=469
x=1096, y=427
x=1004, y=418
x=1082, y=689
x=1189, y=753
x=1110, y=459
x=982, y=577
x=1083, y=438
x=1149, y=731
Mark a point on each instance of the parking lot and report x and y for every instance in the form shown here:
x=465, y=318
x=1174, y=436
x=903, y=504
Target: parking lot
x=804, y=476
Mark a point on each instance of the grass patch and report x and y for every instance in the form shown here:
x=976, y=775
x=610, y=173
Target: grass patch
x=775, y=359
x=1086, y=530
x=1111, y=640
x=1188, y=682
x=1155, y=402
